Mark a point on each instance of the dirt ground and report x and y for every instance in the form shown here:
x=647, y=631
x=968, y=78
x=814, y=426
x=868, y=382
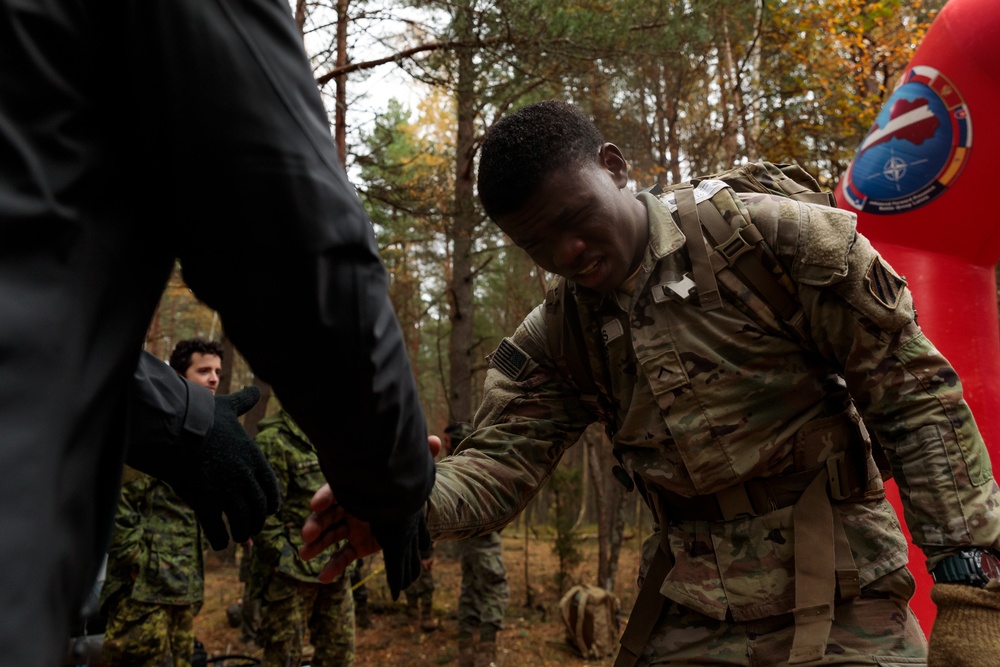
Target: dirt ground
x=533, y=633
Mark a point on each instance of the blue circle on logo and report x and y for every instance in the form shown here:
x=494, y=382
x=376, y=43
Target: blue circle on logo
x=916, y=149
x=909, y=147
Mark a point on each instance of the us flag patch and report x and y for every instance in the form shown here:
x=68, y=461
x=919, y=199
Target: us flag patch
x=509, y=359
x=884, y=284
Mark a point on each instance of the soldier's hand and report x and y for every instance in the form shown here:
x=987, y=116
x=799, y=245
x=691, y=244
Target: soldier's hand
x=399, y=539
x=967, y=626
x=330, y=523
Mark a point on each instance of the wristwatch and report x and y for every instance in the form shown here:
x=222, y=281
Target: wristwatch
x=971, y=566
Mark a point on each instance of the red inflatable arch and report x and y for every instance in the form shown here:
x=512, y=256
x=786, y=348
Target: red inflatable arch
x=922, y=184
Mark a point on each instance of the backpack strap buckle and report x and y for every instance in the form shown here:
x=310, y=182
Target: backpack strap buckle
x=741, y=242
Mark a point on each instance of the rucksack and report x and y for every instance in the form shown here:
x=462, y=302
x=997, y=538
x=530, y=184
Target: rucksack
x=590, y=615
x=744, y=265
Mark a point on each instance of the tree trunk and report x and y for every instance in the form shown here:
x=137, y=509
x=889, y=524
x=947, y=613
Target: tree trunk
x=602, y=513
x=587, y=453
x=340, y=110
x=729, y=84
x=259, y=411
x=460, y=289
x=611, y=502
x=226, y=374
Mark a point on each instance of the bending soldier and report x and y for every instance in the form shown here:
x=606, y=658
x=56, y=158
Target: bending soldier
x=774, y=542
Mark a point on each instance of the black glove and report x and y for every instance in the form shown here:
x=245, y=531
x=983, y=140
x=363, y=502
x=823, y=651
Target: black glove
x=401, y=543
x=229, y=475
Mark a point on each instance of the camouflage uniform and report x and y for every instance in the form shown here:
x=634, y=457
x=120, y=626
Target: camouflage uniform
x=483, y=600
x=420, y=594
x=484, y=582
x=706, y=401
x=292, y=600
x=155, y=577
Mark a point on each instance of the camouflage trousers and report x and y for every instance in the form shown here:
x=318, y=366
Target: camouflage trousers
x=877, y=628
x=422, y=587
x=291, y=607
x=483, y=600
x=143, y=634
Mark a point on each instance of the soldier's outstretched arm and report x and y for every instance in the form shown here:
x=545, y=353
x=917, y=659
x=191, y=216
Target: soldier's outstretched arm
x=330, y=523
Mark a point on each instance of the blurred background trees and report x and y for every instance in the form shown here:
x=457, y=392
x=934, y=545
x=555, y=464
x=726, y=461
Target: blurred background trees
x=684, y=87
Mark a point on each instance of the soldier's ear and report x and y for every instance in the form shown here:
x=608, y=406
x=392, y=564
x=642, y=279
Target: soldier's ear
x=612, y=159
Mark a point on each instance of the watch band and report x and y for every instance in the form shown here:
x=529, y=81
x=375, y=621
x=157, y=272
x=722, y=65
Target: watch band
x=967, y=567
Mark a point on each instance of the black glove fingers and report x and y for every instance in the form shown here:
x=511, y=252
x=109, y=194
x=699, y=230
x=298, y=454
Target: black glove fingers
x=267, y=483
x=245, y=505
x=400, y=541
x=211, y=522
x=244, y=399
x=242, y=519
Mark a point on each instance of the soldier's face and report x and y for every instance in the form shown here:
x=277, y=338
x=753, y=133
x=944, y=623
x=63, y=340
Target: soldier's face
x=205, y=370
x=584, y=224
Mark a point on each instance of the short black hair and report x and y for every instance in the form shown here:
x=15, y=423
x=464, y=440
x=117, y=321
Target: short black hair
x=522, y=149
x=180, y=358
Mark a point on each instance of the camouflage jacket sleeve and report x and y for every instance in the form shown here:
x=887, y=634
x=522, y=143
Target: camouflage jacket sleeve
x=125, y=550
x=861, y=318
x=529, y=416
x=126, y=544
x=296, y=466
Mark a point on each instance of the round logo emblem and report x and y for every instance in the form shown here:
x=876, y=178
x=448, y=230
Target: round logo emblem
x=915, y=150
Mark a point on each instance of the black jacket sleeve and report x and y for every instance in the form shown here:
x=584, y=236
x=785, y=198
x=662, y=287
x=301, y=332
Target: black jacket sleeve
x=280, y=245
x=167, y=413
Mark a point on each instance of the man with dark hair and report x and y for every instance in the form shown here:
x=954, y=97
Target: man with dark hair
x=114, y=118
x=155, y=574
x=774, y=543
x=198, y=360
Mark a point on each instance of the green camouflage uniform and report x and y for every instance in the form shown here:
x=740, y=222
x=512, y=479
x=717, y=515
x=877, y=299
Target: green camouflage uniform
x=707, y=400
x=292, y=600
x=483, y=600
x=421, y=590
x=155, y=577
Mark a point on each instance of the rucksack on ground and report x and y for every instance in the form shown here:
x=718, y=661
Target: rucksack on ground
x=590, y=615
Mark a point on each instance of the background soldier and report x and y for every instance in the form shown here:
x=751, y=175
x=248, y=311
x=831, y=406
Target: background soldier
x=483, y=600
x=292, y=600
x=420, y=594
x=155, y=574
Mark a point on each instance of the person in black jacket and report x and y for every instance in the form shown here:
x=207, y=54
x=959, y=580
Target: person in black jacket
x=126, y=130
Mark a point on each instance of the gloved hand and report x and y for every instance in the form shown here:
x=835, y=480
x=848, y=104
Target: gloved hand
x=401, y=542
x=967, y=627
x=225, y=474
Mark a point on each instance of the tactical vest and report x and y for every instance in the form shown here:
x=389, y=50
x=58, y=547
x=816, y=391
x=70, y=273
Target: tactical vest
x=735, y=259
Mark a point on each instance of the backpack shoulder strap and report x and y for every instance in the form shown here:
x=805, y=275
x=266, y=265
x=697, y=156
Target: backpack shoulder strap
x=739, y=259
x=742, y=251
x=701, y=266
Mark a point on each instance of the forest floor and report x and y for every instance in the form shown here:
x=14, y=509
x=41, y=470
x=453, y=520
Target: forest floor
x=533, y=635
